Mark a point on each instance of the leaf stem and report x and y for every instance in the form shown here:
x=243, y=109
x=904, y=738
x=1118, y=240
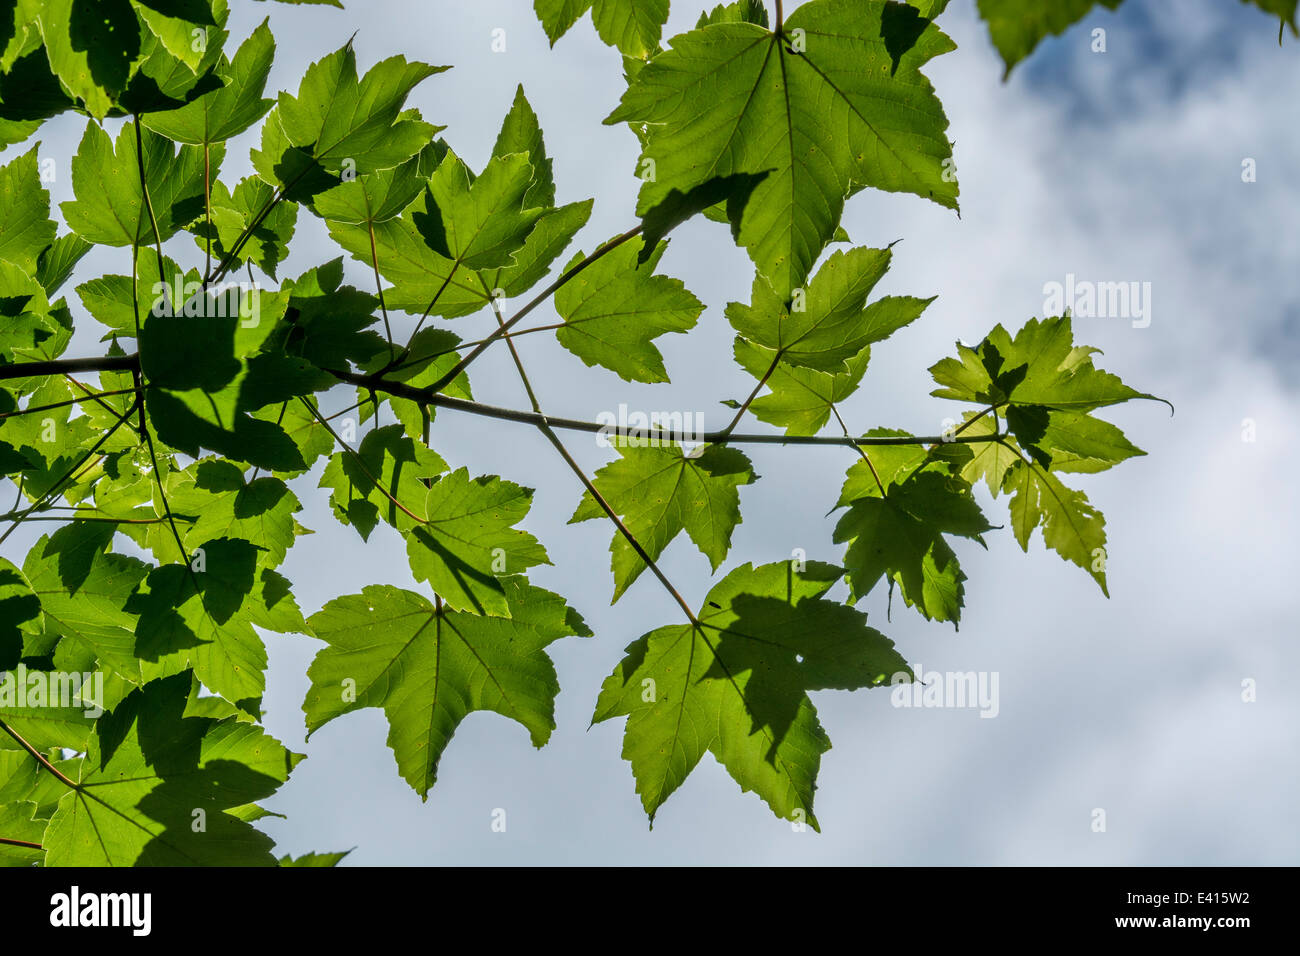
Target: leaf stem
x=532, y=304
x=740, y=412
x=544, y=426
x=21, y=843
x=38, y=756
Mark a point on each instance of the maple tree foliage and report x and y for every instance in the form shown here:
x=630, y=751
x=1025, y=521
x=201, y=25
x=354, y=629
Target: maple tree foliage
x=176, y=460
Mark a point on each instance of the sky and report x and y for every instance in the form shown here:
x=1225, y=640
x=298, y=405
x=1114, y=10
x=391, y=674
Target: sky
x=1122, y=166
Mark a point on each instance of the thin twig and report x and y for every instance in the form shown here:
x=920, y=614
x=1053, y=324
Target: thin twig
x=532, y=304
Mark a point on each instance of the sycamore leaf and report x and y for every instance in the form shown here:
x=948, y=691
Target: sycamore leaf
x=521, y=132
x=800, y=399
x=847, y=110
x=91, y=49
x=430, y=355
x=989, y=460
x=429, y=667
x=203, y=616
x=149, y=770
x=18, y=822
x=232, y=215
x=660, y=492
x=738, y=11
x=469, y=540
x=58, y=260
x=827, y=324
x=338, y=122
x=423, y=279
x=26, y=229
x=1072, y=441
x=1017, y=26
x=722, y=198
x=328, y=322
x=174, y=23
x=895, y=528
x=633, y=26
x=84, y=590
x=223, y=505
x=20, y=613
x=1039, y=366
x=109, y=207
x=736, y=685
x=615, y=308
x=1071, y=526
x=479, y=223
x=385, y=478
x=228, y=111
x=380, y=195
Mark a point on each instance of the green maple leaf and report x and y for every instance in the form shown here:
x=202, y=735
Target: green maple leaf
x=429, y=667
x=84, y=590
x=1017, y=26
x=109, y=298
x=110, y=206
x=989, y=460
x=1039, y=366
x=207, y=371
x=1071, y=526
x=203, y=617
x=614, y=309
x=633, y=26
x=328, y=322
x=338, y=122
x=234, y=214
x=1074, y=441
x=56, y=262
x=800, y=400
x=521, y=132
x=830, y=322
x=850, y=109
x=150, y=771
x=175, y=22
x=660, y=492
x=736, y=685
x=91, y=52
x=469, y=540
x=1049, y=386
x=378, y=196
x=17, y=822
x=479, y=223
x=895, y=528
x=415, y=254
x=423, y=279
x=217, y=116
x=26, y=229
x=20, y=613
x=385, y=479
x=224, y=505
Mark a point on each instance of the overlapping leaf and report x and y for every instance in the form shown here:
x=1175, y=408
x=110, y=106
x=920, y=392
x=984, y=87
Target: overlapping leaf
x=659, y=492
x=736, y=685
x=848, y=109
